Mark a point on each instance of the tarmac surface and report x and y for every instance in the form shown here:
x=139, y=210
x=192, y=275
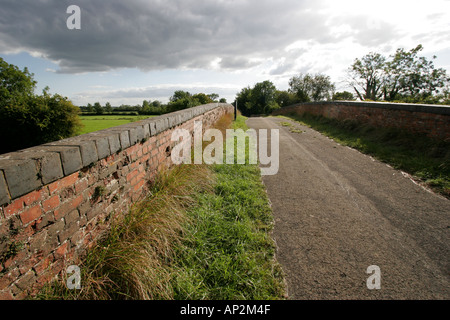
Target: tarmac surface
x=338, y=211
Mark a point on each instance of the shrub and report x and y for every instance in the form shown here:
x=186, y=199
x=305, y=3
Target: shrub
x=40, y=119
x=27, y=119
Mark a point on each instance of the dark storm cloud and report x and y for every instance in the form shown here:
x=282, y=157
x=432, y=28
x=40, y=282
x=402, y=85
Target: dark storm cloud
x=157, y=34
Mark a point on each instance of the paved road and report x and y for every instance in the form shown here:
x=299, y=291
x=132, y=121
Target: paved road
x=338, y=211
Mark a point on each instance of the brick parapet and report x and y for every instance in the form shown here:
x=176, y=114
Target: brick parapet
x=432, y=120
x=57, y=199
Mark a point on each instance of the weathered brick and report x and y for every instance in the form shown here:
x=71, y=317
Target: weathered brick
x=33, y=197
x=68, y=232
x=7, y=279
x=61, y=251
x=81, y=185
x=45, y=220
x=54, y=229
x=31, y=214
x=51, y=203
x=6, y=295
x=67, y=207
x=14, y=207
x=26, y=281
x=71, y=217
x=132, y=175
x=43, y=242
x=43, y=264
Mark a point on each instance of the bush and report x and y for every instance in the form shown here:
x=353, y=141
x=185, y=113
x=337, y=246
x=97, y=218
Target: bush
x=38, y=120
x=27, y=119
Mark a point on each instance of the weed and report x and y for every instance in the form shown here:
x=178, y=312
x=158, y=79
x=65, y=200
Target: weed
x=13, y=248
x=99, y=192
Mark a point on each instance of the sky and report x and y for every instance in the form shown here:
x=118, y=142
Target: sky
x=129, y=51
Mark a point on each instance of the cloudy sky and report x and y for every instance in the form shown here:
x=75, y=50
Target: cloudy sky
x=128, y=51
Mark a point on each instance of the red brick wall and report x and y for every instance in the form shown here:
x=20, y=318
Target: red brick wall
x=48, y=228
x=431, y=120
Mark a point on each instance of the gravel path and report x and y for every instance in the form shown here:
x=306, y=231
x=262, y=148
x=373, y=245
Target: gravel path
x=338, y=211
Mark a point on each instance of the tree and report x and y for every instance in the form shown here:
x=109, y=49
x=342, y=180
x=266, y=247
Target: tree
x=243, y=100
x=213, y=97
x=182, y=100
x=98, y=108
x=285, y=98
x=108, y=107
x=203, y=98
x=413, y=78
x=223, y=100
x=309, y=87
x=404, y=76
x=90, y=108
x=261, y=99
x=179, y=95
x=367, y=76
x=344, y=95
x=16, y=86
x=156, y=104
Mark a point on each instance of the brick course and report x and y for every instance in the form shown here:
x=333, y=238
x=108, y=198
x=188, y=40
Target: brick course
x=56, y=199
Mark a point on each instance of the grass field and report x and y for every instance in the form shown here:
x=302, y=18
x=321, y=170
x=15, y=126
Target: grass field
x=95, y=123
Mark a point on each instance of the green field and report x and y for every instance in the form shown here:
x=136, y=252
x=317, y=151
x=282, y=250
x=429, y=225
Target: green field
x=95, y=123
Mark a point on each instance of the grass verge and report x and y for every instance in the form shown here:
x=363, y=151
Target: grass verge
x=426, y=159
x=202, y=233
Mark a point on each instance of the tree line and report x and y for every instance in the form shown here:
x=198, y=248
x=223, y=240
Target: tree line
x=179, y=100
x=402, y=77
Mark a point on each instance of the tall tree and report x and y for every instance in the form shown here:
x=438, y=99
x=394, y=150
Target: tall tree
x=261, y=99
x=344, y=95
x=309, y=87
x=367, y=76
x=98, y=108
x=213, y=97
x=108, y=107
x=15, y=85
x=203, y=98
x=404, y=76
x=285, y=98
x=411, y=77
